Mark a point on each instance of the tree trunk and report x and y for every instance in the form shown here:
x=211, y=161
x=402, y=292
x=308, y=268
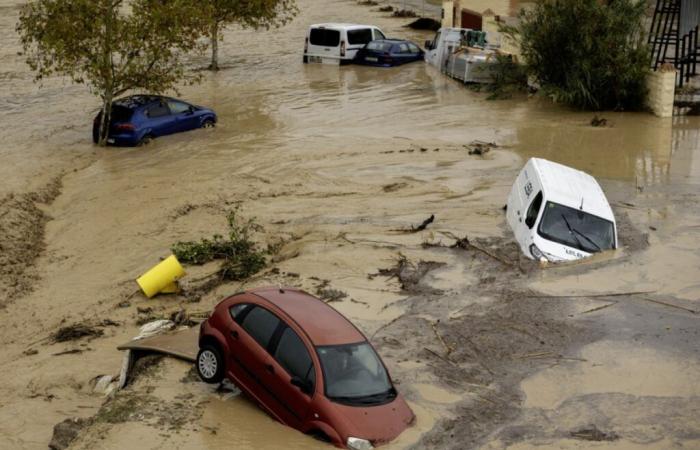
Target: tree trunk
x=214, y=46
x=106, y=119
x=108, y=81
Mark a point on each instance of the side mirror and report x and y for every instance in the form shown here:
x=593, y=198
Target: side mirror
x=428, y=45
x=303, y=385
x=190, y=111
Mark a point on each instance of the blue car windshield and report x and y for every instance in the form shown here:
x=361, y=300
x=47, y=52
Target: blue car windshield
x=577, y=229
x=354, y=373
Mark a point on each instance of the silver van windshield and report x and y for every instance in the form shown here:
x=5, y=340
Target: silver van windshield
x=577, y=229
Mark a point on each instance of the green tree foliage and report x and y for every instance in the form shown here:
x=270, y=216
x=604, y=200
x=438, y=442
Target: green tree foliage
x=248, y=13
x=112, y=46
x=590, y=54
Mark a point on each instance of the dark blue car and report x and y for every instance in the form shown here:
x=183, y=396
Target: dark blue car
x=388, y=52
x=137, y=119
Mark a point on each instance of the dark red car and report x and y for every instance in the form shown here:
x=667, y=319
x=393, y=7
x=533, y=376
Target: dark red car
x=305, y=364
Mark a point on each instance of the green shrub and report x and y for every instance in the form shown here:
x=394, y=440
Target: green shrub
x=240, y=254
x=590, y=54
x=508, y=78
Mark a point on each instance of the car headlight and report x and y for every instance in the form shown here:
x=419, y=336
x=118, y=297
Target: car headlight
x=538, y=254
x=359, y=444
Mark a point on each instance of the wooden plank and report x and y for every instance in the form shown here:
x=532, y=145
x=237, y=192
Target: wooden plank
x=182, y=344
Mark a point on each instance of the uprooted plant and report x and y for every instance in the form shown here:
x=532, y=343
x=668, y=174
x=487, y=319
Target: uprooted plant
x=242, y=256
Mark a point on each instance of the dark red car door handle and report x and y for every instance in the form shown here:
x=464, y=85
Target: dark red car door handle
x=270, y=368
x=234, y=334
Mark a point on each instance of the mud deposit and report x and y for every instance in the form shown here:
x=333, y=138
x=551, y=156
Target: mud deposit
x=341, y=167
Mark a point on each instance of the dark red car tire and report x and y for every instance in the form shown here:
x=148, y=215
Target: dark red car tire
x=210, y=364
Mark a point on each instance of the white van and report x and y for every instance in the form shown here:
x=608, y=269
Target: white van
x=337, y=43
x=558, y=213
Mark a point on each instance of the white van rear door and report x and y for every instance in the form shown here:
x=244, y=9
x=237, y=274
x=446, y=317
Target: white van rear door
x=324, y=45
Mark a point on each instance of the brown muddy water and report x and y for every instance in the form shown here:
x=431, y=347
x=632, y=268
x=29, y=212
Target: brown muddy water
x=336, y=160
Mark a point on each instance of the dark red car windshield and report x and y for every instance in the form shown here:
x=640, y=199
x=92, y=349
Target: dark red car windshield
x=354, y=374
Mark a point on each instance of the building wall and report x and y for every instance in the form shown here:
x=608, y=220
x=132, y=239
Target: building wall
x=447, y=14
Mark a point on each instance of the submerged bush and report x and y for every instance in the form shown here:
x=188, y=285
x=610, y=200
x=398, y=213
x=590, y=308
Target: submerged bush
x=241, y=255
x=590, y=54
x=508, y=78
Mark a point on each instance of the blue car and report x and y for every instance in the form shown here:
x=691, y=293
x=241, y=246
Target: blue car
x=138, y=119
x=388, y=53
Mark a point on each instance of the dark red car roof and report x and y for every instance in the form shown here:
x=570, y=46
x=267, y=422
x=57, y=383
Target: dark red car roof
x=322, y=324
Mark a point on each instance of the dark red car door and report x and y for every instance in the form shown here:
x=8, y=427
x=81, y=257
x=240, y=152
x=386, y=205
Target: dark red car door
x=251, y=331
x=290, y=360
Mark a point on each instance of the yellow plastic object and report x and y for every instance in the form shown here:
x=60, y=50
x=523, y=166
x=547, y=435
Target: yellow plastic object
x=172, y=288
x=161, y=277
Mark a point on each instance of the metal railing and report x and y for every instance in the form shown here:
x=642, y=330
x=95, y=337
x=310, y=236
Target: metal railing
x=673, y=37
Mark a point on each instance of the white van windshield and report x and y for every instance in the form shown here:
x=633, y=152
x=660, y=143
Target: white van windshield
x=324, y=37
x=361, y=36
x=576, y=228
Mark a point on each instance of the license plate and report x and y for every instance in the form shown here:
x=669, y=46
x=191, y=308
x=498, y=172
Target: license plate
x=315, y=59
x=371, y=59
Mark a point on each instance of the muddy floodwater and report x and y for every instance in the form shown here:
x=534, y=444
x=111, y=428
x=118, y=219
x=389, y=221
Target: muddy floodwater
x=490, y=351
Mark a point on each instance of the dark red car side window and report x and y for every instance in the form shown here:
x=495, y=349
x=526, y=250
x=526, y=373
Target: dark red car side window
x=260, y=325
x=292, y=354
x=239, y=311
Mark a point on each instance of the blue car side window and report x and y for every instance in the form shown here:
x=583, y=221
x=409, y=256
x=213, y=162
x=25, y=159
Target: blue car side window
x=155, y=111
x=178, y=107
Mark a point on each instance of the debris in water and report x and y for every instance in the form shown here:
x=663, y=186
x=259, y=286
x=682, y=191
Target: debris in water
x=405, y=13
x=599, y=121
x=594, y=434
x=65, y=432
x=480, y=147
x=425, y=23
x=425, y=224
x=75, y=332
x=394, y=187
x=410, y=274
x=328, y=294
x=72, y=351
x=181, y=318
x=387, y=8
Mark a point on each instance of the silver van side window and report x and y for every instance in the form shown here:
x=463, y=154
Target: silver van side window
x=534, y=210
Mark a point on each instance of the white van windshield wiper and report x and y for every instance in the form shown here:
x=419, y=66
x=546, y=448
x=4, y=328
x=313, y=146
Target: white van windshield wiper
x=575, y=232
x=571, y=230
x=587, y=238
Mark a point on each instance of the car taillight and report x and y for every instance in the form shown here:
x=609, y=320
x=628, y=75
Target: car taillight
x=125, y=127
x=342, y=48
x=306, y=45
